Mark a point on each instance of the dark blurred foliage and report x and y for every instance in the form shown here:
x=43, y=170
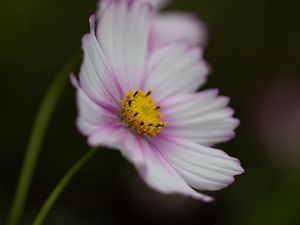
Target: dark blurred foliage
x=251, y=43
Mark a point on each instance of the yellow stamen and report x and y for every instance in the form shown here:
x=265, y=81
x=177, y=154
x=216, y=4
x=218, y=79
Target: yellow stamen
x=139, y=112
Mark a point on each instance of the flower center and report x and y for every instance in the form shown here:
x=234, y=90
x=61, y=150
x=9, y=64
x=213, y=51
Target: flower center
x=139, y=111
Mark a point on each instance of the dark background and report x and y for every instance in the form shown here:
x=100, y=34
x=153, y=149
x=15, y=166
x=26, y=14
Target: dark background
x=254, y=50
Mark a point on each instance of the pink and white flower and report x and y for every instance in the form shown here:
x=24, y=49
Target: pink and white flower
x=143, y=101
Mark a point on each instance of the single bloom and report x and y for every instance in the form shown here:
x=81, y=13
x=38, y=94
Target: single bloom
x=143, y=101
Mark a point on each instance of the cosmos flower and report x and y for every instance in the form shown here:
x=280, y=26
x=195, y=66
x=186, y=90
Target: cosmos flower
x=143, y=102
x=173, y=26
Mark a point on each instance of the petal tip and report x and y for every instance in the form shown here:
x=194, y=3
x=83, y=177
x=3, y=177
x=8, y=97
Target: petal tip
x=239, y=168
x=74, y=80
x=207, y=199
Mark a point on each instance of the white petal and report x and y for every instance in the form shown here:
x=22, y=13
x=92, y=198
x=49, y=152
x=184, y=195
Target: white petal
x=92, y=116
x=202, y=118
x=103, y=5
x=203, y=168
x=132, y=149
x=95, y=77
x=157, y=3
x=123, y=33
x=119, y=137
x=161, y=175
x=176, y=26
x=174, y=69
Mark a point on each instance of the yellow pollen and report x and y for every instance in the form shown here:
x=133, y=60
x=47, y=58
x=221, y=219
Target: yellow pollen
x=139, y=112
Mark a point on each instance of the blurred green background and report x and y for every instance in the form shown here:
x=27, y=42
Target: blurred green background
x=254, y=51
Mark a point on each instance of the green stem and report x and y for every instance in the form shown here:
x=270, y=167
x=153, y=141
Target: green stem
x=60, y=187
x=36, y=138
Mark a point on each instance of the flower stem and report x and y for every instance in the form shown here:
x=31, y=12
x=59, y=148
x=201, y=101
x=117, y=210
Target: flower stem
x=36, y=138
x=60, y=187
